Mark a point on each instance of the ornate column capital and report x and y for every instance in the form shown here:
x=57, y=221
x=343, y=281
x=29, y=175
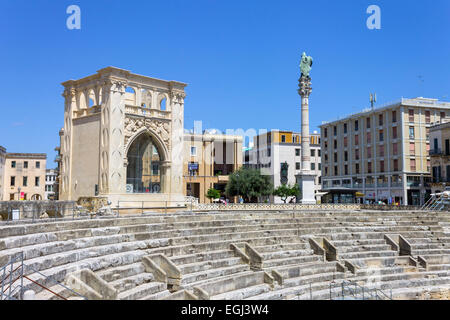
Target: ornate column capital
x=304, y=86
x=177, y=96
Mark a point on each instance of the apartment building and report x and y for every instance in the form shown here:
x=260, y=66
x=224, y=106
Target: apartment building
x=51, y=180
x=24, y=176
x=209, y=159
x=440, y=156
x=2, y=170
x=272, y=149
x=381, y=154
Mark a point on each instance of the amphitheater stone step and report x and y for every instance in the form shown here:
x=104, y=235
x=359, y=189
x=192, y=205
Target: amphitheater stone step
x=142, y=290
x=125, y=284
x=120, y=272
x=202, y=256
x=193, y=279
x=208, y=265
x=243, y=293
x=369, y=254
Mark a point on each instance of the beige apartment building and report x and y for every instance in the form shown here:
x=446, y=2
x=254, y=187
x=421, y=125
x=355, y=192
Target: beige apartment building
x=209, y=159
x=381, y=154
x=440, y=156
x=24, y=176
x=2, y=170
x=272, y=149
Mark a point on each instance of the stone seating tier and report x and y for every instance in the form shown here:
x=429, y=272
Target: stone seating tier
x=199, y=246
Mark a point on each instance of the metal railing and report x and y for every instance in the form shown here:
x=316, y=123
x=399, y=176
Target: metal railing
x=145, y=205
x=354, y=291
x=12, y=280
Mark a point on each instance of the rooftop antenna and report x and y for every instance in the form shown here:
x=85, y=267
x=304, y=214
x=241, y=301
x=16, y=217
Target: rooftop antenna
x=373, y=99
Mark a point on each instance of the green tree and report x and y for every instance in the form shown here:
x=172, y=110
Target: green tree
x=248, y=183
x=213, y=194
x=286, y=191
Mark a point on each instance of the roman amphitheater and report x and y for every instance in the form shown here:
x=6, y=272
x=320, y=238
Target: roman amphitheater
x=239, y=252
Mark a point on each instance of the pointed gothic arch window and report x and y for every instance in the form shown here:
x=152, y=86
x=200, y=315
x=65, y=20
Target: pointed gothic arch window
x=144, y=170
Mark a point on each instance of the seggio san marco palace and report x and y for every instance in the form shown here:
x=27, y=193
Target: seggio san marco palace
x=122, y=138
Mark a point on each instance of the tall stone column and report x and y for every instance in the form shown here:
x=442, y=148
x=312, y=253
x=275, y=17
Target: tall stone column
x=306, y=178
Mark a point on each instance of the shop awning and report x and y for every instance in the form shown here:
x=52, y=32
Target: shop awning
x=359, y=194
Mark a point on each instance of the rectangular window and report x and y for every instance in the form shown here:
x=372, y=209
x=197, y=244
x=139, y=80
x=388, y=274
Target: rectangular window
x=335, y=170
x=25, y=164
x=313, y=166
x=411, y=132
x=357, y=168
x=442, y=116
x=394, y=116
x=320, y=166
x=334, y=131
x=427, y=133
x=413, y=164
x=38, y=164
x=396, y=165
x=447, y=147
x=155, y=169
x=381, y=136
x=313, y=152
x=356, y=125
x=13, y=164
x=193, y=151
x=335, y=157
x=345, y=156
x=369, y=137
x=380, y=119
x=346, y=169
x=412, y=148
x=381, y=166
x=283, y=138
x=356, y=140
x=368, y=123
x=13, y=181
x=11, y=196
x=394, y=132
x=325, y=133
x=36, y=181
x=369, y=152
x=411, y=115
x=345, y=142
x=318, y=153
x=395, y=148
x=427, y=116
x=297, y=152
x=345, y=128
x=297, y=166
x=369, y=167
x=356, y=154
x=381, y=151
x=25, y=181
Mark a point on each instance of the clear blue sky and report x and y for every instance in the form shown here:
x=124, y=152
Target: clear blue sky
x=240, y=58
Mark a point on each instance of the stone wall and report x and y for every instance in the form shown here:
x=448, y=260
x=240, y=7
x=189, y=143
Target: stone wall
x=36, y=209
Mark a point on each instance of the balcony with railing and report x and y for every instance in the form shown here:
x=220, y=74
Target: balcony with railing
x=147, y=112
x=436, y=152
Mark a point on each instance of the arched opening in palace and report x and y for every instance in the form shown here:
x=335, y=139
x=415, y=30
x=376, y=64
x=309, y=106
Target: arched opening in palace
x=144, y=173
x=36, y=197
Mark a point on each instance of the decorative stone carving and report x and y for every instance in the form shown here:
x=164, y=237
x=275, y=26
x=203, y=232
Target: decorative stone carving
x=161, y=128
x=304, y=86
